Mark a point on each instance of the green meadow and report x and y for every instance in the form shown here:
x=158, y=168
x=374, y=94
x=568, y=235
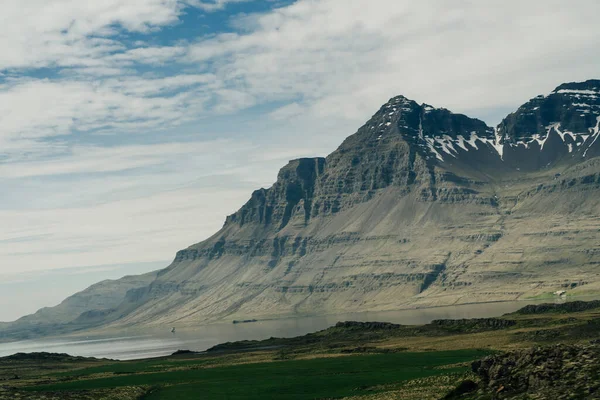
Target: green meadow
x=329, y=377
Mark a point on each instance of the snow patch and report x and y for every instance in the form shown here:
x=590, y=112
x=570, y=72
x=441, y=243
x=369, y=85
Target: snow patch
x=497, y=145
x=574, y=91
x=460, y=142
x=473, y=139
x=594, y=135
x=432, y=148
x=447, y=146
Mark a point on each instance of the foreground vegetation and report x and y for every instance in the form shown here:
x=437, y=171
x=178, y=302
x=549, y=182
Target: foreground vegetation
x=351, y=360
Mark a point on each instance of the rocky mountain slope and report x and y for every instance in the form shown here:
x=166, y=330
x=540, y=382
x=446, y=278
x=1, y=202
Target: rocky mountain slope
x=420, y=207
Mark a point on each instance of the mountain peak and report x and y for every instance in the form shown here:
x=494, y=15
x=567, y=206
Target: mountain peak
x=554, y=128
x=590, y=87
x=548, y=128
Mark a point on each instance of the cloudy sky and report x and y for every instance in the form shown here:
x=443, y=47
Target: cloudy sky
x=129, y=129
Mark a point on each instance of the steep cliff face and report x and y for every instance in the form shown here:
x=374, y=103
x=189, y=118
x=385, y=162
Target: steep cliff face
x=419, y=207
x=290, y=197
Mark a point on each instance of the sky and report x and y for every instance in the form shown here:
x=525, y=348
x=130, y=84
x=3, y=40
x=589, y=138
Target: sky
x=129, y=130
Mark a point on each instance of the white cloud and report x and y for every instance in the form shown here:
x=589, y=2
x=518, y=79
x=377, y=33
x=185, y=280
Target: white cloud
x=288, y=111
x=36, y=33
x=323, y=58
x=179, y=193
x=136, y=230
x=92, y=82
x=39, y=33
x=148, y=55
x=344, y=57
x=213, y=5
x=39, y=108
x=128, y=204
x=92, y=160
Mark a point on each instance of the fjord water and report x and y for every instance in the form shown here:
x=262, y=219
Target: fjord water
x=145, y=343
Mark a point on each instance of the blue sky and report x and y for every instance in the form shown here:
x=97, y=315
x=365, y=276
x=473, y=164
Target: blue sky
x=129, y=130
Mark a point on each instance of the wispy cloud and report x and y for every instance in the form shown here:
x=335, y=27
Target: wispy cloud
x=125, y=231
x=213, y=5
x=68, y=66
x=135, y=203
x=40, y=33
x=324, y=58
x=339, y=56
x=45, y=108
x=94, y=160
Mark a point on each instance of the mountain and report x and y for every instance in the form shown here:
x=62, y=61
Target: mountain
x=420, y=207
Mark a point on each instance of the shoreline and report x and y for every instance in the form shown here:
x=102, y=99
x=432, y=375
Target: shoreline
x=102, y=332
x=153, y=342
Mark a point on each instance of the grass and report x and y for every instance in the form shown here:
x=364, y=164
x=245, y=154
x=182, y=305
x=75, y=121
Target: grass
x=132, y=367
x=543, y=296
x=332, y=377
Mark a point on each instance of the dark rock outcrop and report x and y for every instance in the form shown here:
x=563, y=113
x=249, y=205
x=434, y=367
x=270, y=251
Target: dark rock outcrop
x=552, y=372
x=474, y=324
x=292, y=195
x=367, y=326
x=569, y=307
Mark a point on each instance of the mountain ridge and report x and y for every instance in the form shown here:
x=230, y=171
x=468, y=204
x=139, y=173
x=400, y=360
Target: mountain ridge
x=419, y=207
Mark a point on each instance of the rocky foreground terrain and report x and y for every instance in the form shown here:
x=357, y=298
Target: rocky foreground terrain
x=552, y=372
x=420, y=207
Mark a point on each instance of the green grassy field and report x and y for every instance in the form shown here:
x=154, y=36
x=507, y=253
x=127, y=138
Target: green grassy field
x=318, y=378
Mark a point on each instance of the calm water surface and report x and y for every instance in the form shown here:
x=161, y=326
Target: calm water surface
x=135, y=344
